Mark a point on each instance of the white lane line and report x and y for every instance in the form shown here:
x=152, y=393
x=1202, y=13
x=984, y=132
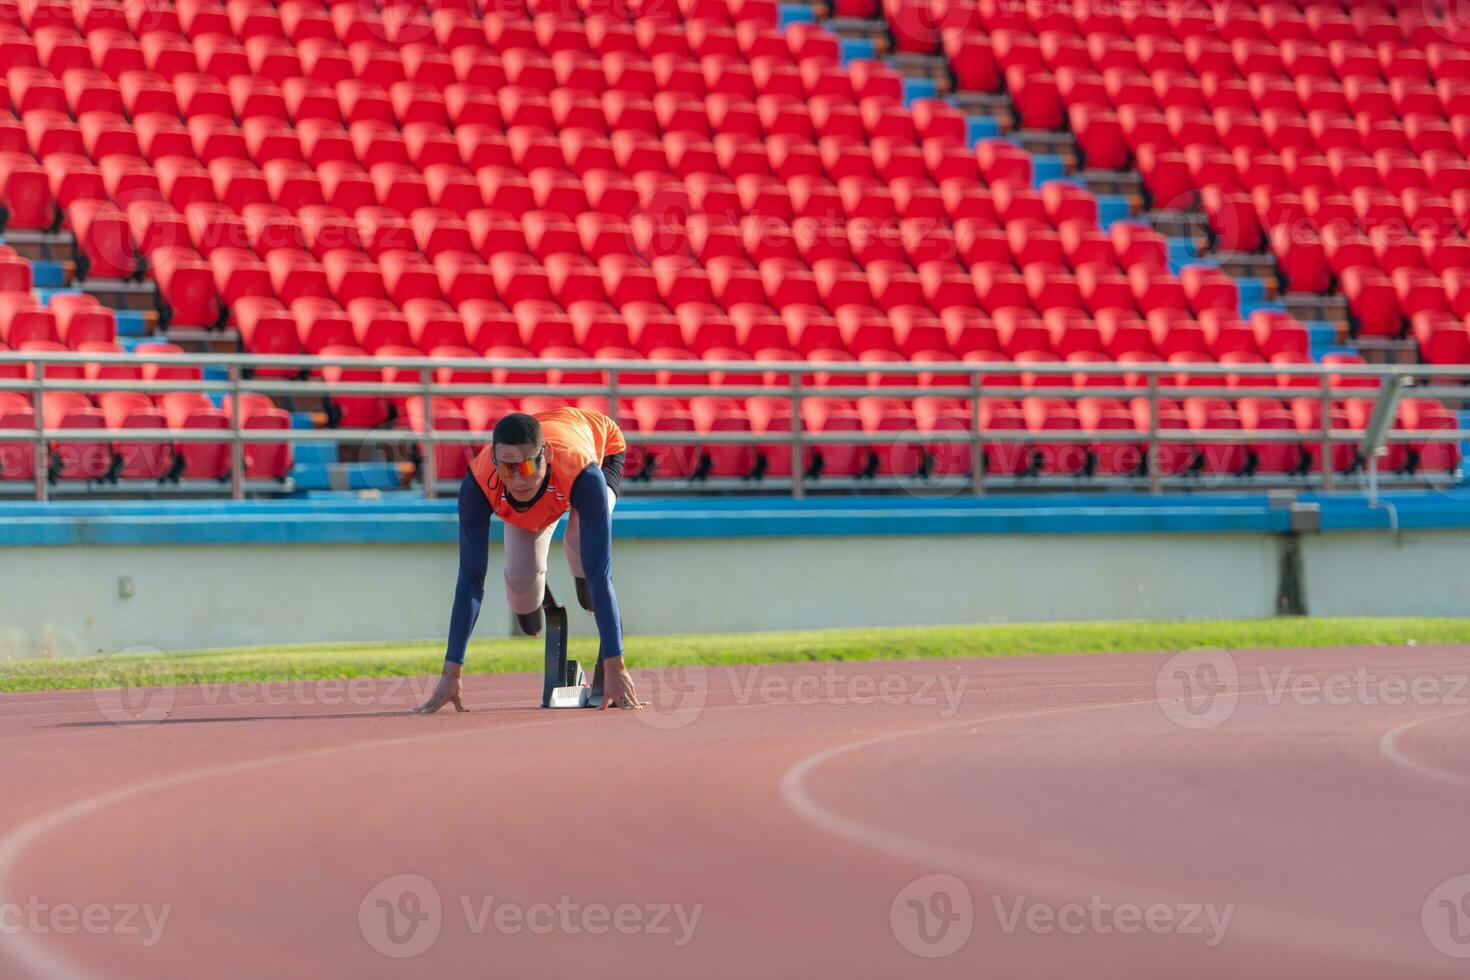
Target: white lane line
x=1290, y=928
x=48, y=964
x=1388, y=747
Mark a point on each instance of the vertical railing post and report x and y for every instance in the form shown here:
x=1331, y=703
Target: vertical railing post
x=1154, y=484
x=237, y=447
x=612, y=394
x=977, y=441
x=798, y=455
x=1327, y=453
x=40, y=452
x=431, y=448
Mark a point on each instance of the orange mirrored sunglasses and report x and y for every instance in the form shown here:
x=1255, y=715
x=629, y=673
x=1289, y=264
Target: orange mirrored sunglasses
x=525, y=467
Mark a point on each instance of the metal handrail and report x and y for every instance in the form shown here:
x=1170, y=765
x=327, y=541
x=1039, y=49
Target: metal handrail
x=1154, y=382
x=702, y=366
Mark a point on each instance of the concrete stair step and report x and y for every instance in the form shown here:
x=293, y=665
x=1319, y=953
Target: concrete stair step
x=40, y=245
x=1261, y=267
x=1043, y=143
x=121, y=294
x=997, y=107
x=858, y=27
x=200, y=340
x=1328, y=309
x=924, y=66
x=1179, y=224
x=1129, y=185
x=1381, y=350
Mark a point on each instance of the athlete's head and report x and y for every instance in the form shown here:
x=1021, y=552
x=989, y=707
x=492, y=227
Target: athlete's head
x=521, y=454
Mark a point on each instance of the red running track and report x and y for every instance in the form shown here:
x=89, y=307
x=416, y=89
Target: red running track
x=1298, y=814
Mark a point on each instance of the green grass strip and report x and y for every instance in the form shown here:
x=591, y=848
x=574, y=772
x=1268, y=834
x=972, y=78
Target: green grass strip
x=330, y=661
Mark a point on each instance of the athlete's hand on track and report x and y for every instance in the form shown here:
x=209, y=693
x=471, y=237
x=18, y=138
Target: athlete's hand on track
x=449, y=689
x=617, y=686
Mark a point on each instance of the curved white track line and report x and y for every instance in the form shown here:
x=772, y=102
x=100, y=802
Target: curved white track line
x=1287, y=927
x=1388, y=747
x=43, y=963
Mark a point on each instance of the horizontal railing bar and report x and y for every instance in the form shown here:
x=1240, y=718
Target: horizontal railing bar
x=406, y=389
x=690, y=438
x=1144, y=368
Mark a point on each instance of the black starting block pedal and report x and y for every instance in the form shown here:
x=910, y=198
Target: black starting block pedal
x=564, y=685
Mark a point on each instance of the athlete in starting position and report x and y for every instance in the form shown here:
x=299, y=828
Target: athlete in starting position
x=536, y=468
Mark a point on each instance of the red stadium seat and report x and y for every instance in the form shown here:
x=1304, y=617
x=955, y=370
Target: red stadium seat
x=72, y=460
x=1432, y=455
x=81, y=319
x=136, y=460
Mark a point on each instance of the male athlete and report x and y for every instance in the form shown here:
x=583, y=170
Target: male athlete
x=536, y=468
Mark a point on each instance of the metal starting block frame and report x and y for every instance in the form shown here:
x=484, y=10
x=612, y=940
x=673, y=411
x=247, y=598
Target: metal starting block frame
x=565, y=684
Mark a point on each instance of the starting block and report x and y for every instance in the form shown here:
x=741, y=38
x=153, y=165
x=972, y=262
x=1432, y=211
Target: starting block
x=565, y=684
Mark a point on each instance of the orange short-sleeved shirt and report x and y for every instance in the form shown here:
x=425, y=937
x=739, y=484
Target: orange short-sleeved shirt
x=576, y=438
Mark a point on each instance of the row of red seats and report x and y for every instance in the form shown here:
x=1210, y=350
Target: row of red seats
x=1121, y=86
x=514, y=47
x=1302, y=165
x=1341, y=64
x=1107, y=133
x=1042, y=99
x=72, y=319
x=121, y=459
x=311, y=323
x=444, y=23
x=566, y=85
x=683, y=456
x=183, y=90
x=667, y=178
x=873, y=342
x=299, y=19
x=1342, y=60
x=858, y=218
x=615, y=128
x=921, y=26
x=991, y=284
